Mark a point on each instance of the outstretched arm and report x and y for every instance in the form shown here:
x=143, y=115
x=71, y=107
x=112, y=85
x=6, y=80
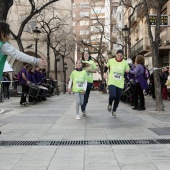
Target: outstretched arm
x=7, y=49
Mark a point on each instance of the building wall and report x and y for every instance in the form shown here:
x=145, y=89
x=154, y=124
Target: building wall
x=18, y=12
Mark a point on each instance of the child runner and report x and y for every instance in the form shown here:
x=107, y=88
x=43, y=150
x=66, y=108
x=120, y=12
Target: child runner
x=79, y=79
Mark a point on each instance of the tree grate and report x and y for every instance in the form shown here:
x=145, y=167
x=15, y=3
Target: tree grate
x=85, y=142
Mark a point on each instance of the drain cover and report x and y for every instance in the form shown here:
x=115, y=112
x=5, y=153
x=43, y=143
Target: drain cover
x=85, y=142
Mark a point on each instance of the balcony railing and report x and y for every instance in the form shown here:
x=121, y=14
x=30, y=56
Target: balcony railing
x=141, y=47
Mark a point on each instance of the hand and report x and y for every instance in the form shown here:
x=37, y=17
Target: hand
x=28, y=82
x=42, y=62
x=105, y=76
x=69, y=90
x=83, y=92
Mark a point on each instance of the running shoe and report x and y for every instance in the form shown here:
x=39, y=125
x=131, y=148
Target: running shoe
x=24, y=104
x=77, y=117
x=83, y=113
x=114, y=114
x=109, y=108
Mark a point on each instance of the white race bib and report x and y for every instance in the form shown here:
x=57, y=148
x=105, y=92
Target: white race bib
x=80, y=85
x=117, y=76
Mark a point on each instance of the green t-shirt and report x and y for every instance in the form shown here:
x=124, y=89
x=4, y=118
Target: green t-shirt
x=93, y=67
x=2, y=61
x=117, y=71
x=78, y=78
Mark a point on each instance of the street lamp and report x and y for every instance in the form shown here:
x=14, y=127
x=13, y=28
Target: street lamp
x=65, y=68
x=125, y=31
x=57, y=59
x=36, y=35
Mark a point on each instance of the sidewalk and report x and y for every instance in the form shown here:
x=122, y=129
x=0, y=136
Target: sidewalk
x=53, y=120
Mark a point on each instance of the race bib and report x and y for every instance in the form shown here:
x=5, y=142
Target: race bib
x=117, y=76
x=80, y=85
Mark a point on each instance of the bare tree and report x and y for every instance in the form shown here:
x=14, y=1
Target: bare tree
x=50, y=26
x=157, y=5
x=97, y=41
x=35, y=9
x=146, y=6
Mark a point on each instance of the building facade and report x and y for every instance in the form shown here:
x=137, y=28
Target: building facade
x=139, y=38
x=19, y=11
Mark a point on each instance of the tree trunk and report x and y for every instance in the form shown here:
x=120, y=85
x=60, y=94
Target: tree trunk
x=155, y=54
x=4, y=8
x=158, y=92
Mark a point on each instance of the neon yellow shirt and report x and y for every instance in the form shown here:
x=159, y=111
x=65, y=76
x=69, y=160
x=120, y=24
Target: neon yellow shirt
x=78, y=78
x=93, y=67
x=117, y=71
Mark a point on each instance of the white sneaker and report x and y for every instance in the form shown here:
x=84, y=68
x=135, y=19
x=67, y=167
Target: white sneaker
x=114, y=114
x=77, y=117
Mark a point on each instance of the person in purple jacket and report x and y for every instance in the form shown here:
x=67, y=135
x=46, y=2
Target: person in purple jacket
x=140, y=83
x=37, y=74
x=31, y=79
x=24, y=83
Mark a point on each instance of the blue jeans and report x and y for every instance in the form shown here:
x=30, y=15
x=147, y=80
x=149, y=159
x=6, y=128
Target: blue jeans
x=114, y=95
x=86, y=96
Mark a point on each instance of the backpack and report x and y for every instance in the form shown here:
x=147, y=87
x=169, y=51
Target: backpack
x=146, y=73
x=19, y=76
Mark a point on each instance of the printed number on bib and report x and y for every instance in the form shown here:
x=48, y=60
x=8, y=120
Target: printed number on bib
x=80, y=85
x=117, y=76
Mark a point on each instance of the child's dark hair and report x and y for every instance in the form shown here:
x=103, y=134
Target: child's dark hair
x=4, y=30
x=83, y=55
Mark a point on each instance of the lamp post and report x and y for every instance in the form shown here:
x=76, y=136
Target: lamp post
x=36, y=35
x=57, y=59
x=65, y=68
x=125, y=31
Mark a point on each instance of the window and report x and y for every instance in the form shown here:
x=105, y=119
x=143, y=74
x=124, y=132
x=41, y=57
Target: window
x=98, y=10
x=84, y=23
x=74, y=23
x=82, y=14
x=84, y=32
x=114, y=10
x=95, y=37
x=84, y=5
x=96, y=28
x=74, y=15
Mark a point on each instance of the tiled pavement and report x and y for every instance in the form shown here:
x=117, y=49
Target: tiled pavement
x=53, y=120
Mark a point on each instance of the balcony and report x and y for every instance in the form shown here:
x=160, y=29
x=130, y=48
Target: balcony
x=141, y=47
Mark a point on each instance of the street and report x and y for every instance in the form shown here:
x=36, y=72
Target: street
x=48, y=123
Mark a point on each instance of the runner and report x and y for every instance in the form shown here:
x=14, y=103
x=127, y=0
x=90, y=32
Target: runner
x=118, y=66
x=90, y=67
x=79, y=79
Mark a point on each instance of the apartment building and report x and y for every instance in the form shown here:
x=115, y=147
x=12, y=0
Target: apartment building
x=116, y=25
x=139, y=38
x=18, y=13
x=90, y=19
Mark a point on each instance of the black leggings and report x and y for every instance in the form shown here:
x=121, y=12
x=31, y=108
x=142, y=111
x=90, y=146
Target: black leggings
x=139, y=93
